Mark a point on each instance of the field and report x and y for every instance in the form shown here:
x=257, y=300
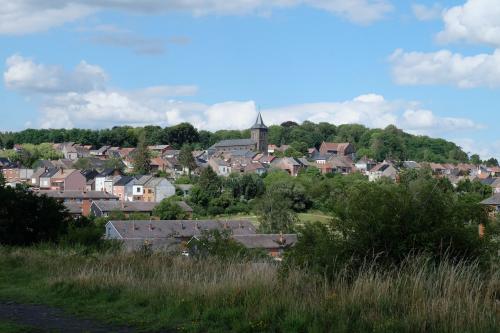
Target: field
x=181, y=294
x=303, y=217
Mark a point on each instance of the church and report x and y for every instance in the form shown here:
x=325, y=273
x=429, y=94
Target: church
x=257, y=141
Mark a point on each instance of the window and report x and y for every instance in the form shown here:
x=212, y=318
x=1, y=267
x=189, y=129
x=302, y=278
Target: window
x=138, y=190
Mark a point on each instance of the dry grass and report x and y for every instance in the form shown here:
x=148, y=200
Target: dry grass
x=162, y=291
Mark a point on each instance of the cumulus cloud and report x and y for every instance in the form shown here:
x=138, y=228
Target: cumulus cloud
x=485, y=149
x=28, y=16
x=86, y=101
x=445, y=67
x=476, y=21
x=25, y=75
x=427, y=13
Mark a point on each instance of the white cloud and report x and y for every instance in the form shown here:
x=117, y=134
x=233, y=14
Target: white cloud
x=86, y=101
x=476, y=21
x=445, y=67
x=422, y=121
x=28, y=16
x=427, y=13
x=25, y=75
x=485, y=149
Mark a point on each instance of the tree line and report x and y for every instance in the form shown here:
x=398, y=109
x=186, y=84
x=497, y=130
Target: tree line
x=379, y=144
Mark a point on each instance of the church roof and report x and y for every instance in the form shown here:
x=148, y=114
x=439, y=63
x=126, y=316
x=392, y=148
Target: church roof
x=259, y=123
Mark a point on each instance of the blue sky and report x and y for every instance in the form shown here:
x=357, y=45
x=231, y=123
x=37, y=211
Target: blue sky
x=429, y=67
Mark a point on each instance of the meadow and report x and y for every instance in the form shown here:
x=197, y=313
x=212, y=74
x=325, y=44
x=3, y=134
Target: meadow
x=164, y=292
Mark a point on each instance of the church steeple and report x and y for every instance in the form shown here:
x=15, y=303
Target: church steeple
x=259, y=134
x=259, y=123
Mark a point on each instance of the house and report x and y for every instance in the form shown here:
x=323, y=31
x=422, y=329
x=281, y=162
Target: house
x=35, y=177
x=171, y=233
x=273, y=244
x=220, y=167
x=185, y=188
x=119, y=187
x=186, y=208
x=385, y=169
x=493, y=203
x=69, y=151
x=156, y=189
x=336, y=164
x=338, y=149
x=68, y=179
x=411, y=165
x=89, y=175
x=289, y=164
x=85, y=198
x=75, y=209
x=365, y=164
x=45, y=179
x=101, y=152
x=493, y=182
x=101, y=208
x=160, y=149
x=104, y=180
x=135, y=190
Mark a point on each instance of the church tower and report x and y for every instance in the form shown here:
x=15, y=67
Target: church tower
x=259, y=134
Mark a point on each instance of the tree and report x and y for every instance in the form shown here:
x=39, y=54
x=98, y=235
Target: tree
x=492, y=162
x=168, y=209
x=142, y=158
x=26, y=218
x=2, y=180
x=276, y=214
x=186, y=158
x=474, y=159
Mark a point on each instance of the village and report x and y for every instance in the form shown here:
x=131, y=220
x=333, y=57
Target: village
x=100, y=191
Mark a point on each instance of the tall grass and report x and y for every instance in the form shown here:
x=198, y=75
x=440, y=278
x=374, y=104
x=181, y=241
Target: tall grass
x=161, y=291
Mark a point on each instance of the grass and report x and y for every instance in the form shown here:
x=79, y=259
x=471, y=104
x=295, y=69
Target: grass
x=182, y=294
x=11, y=327
x=303, y=217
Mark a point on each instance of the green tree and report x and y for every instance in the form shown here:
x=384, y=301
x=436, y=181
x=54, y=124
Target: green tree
x=475, y=159
x=276, y=214
x=169, y=209
x=142, y=158
x=186, y=158
x=26, y=218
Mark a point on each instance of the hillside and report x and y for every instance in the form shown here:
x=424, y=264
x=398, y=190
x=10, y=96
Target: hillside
x=380, y=144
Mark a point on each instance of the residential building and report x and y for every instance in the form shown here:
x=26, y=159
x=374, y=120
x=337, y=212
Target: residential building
x=104, y=208
x=338, y=149
x=493, y=203
x=85, y=198
x=119, y=187
x=220, y=167
x=289, y=164
x=156, y=189
x=68, y=179
x=273, y=244
x=104, y=180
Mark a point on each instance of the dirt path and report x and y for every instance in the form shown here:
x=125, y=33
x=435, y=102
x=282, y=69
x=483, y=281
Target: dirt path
x=49, y=319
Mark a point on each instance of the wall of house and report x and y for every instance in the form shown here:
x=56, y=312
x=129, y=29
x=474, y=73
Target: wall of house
x=75, y=182
x=99, y=183
x=164, y=190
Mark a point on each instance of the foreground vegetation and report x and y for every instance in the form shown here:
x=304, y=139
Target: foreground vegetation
x=213, y=295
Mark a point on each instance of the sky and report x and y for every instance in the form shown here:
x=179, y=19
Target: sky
x=428, y=67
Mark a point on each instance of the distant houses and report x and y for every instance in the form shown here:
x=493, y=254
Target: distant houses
x=174, y=235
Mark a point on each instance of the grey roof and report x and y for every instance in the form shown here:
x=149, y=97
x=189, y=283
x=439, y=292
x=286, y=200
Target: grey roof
x=259, y=123
x=94, y=195
x=178, y=228
x=155, y=181
x=106, y=172
x=73, y=207
x=124, y=180
x=492, y=201
x=89, y=174
x=411, y=165
x=49, y=173
x=266, y=241
x=142, y=180
x=242, y=153
x=185, y=187
x=185, y=207
x=234, y=143
x=125, y=206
